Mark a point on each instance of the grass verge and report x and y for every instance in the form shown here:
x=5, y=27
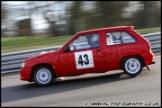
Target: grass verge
x=12, y=44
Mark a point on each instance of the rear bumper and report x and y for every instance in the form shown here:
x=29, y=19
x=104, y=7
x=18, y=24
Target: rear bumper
x=151, y=63
x=148, y=58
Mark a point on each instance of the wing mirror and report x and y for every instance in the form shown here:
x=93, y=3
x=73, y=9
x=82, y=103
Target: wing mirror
x=67, y=49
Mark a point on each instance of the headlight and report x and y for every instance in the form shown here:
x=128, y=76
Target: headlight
x=23, y=64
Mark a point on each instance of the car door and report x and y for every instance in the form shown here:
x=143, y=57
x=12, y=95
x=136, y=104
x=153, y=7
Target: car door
x=83, y=56
x=111, y=51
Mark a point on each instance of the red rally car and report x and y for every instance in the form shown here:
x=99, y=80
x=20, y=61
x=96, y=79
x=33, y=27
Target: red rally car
x=91, y=51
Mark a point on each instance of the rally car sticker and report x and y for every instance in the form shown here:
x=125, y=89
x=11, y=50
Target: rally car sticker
x=84, y=59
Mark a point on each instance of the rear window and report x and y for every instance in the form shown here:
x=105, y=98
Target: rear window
x=119, y=37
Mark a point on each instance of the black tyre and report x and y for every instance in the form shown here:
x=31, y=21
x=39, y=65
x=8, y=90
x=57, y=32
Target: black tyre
x=132, y=66
x=43, y=76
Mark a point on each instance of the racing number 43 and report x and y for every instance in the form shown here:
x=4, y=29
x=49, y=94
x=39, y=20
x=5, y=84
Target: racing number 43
x=84, y=59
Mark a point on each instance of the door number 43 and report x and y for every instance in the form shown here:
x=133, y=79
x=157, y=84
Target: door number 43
x=84, y=59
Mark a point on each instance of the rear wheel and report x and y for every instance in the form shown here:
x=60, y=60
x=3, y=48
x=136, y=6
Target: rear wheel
x=132, y=66
x=43, y=76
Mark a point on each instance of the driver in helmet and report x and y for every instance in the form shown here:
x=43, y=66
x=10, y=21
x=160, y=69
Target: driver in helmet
x=93, y=40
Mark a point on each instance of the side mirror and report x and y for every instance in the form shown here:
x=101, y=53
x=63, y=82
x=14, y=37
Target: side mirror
x=67, y=49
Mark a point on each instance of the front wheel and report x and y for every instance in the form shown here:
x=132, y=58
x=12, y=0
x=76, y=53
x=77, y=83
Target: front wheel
x=132, y=66
x=43, y=76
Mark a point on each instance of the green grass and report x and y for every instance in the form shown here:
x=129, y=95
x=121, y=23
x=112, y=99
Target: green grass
x=12, y=44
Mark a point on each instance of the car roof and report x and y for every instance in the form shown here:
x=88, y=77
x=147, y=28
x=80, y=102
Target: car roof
x=107, y=28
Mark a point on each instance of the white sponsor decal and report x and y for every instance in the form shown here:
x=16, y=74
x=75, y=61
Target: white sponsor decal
x=84, y=59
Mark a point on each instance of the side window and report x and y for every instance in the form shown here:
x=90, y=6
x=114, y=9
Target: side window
x=85, y=41
x=119, y=37
x=127, y=38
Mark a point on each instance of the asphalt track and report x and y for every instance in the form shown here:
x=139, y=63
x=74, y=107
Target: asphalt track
x=113, y=88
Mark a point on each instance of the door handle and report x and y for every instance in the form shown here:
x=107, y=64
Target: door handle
x=98, y=50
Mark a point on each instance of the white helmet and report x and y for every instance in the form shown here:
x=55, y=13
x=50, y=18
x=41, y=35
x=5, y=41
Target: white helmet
x=108, y=34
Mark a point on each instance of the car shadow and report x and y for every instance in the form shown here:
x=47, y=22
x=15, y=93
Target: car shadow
x=30, y=90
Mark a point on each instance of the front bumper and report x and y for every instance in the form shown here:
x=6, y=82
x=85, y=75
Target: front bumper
x=25, y=74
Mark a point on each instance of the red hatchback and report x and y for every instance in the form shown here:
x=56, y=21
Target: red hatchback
x=91, y=51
